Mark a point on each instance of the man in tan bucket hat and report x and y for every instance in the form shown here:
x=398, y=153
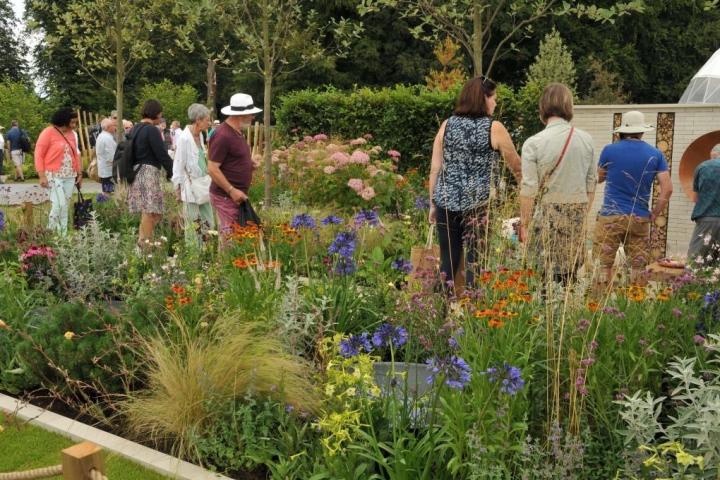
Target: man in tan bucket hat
x=629, y=168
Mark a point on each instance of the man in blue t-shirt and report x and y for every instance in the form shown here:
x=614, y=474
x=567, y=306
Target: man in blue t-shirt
x=629, y=167
x=16, y=153
x=704, y=249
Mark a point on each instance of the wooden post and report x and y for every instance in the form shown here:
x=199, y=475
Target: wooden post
x=28, y=218
x=80, y=459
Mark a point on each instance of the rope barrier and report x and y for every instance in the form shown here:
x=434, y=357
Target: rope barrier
x=32, y=474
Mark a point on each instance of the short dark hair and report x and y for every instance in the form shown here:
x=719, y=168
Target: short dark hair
x=472, y=101
x=151, y=109
x=63, y=117
x=556, y=101
x=636, y=136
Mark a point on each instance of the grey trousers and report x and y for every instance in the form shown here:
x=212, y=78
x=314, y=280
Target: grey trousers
x=705, y=242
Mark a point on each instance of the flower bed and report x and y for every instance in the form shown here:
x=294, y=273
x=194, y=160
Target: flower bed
x=262, y=358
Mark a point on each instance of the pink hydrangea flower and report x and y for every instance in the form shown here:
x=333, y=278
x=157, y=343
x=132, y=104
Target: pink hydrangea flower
x=358, y=156
x=329, y=169
x=340, y=158
x=299, y=145
x=356, y=184
x=393, y=153
x=368, y=136
x=373, y=170
x=358, y=141
x=367, y=193
x=320, y=137
x=307, y=139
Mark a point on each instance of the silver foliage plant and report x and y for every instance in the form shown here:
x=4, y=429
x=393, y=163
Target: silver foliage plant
x=299, y=322
x=89, y=262
x=692, y=414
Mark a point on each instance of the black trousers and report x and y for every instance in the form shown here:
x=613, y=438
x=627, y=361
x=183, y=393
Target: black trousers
x=462, y=232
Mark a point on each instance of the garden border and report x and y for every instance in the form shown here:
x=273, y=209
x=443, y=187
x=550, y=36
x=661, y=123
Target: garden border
x=147, y=457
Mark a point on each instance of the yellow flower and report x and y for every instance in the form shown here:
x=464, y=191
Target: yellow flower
x=685, y=459
x=661, y=297
x=203, y=324
x=351, y=391
x=69, y=335
x=4, y=326
x=693, y=295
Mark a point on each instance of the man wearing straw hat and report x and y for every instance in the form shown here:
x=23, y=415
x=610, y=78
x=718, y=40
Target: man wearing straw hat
x=231, y=165
x=629, y=168
x=704, y=249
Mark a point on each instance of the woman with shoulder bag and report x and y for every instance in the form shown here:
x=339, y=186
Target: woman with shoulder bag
x=558, y=185
x=190, y=175
x=464, y=154
x=57, y=162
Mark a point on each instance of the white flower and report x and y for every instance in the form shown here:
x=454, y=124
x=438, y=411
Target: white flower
x=707, y=238
x=163, y=238
x=699, y=259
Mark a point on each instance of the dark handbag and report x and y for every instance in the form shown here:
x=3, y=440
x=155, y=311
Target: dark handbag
x=82, y=210
x=247, y=215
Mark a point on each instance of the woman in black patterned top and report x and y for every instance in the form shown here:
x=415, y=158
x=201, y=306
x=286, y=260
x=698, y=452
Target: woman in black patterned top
x=464, y=153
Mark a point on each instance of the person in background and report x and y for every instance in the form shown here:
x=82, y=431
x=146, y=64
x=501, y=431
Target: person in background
x=557, y=189
x=127, y=127
x=58, y=165
x=629, y=167
x=16, y=152
x=191, y=165
x=105, y=147
x=166, y=136
x=230, y=164
x=211, y=131
x=464, y=154
x=145, y=195
x=175, y=132
x=704, y=249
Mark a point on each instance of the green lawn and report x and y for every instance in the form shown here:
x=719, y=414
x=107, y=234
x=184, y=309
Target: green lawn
x=25, y=447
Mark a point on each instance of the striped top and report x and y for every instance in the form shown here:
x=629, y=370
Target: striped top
x=468, y=164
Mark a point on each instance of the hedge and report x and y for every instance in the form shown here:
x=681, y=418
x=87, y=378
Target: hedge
x=403, y=118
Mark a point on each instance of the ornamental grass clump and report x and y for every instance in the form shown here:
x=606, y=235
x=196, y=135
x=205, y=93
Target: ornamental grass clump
x=187, y=374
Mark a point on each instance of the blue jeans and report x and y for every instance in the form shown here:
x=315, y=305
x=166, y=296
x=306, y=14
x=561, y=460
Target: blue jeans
x=61, y=190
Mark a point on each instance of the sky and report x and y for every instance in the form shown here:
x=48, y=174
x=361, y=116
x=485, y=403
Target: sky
x=19, y=7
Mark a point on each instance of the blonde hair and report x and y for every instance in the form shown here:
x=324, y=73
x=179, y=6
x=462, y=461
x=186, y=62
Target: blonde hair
x=556, y=101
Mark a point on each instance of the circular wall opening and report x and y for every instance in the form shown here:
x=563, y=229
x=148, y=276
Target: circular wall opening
x=696, y=153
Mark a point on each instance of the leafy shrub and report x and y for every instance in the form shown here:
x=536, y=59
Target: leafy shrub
x=403, y=118
x=19, y=102
x=348, y=175
x=89, y=262
x=175, y=99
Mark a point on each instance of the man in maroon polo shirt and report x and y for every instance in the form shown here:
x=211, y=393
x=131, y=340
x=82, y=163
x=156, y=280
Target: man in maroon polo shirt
x=230, y=161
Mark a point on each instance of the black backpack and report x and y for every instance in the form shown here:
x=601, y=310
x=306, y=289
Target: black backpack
x=25, y=142
x=124, y=165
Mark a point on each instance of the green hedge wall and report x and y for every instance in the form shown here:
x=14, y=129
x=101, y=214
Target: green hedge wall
x=404, y=118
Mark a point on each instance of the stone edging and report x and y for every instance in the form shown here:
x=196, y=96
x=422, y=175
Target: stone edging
x=147, y=457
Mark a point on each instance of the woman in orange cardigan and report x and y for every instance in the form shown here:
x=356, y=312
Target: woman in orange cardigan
x=57, y=162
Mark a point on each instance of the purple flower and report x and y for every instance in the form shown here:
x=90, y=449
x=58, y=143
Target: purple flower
x=586, y=362
x=354, y=345
x=402, y=265
x=583, y=324
x=387, y=335
x=712, y=298
x=593, y=346
x=699, y=339
x=331, y=220
x=343, y=245
x=345, y=266
x=2, y=220
x=620, y=339
x=452, y=341
x=422, y=203
x=454, y=371
x=101, y=198
x=508, y=376
x=676, y=312
x=303, y=220
x=367, y=216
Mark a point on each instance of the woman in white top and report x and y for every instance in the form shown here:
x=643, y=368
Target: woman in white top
x=190, y=176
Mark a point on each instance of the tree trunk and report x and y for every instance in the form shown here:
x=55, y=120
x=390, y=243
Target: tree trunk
x=477, y=53
x=119, y=75
x=211, y=87
x=268, y=78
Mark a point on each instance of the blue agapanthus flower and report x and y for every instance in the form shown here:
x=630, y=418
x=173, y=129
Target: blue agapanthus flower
x=454, y=371
x=387, y=335
x=355, y=345
x=332, y=220
x=367, y=216
x=509, y=377
x=101, y=198
x=345, y=266
x=2, y=220
x=453, y=342
x=343, y=245
x=401, y=265
x=422, y=203
x=303, y=220
x=712, y=298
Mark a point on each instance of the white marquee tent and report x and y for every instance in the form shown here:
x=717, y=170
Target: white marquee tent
x=705, y=85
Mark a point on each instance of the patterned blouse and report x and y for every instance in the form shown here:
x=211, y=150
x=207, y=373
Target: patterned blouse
x=468, y=163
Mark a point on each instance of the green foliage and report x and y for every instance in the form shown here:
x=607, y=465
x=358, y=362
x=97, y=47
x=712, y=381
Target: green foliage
x=554, y=63
x=19, y=102
x=175, y=99
x=400, y=118
x=13, y=66
x=605, y=88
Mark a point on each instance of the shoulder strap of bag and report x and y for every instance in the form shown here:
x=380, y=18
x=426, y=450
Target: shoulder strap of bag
x=73, y=150
x=550, y=172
